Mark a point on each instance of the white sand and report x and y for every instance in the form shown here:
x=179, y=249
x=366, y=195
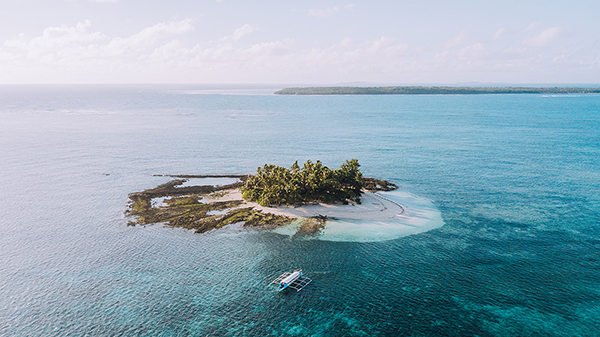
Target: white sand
x=372, y=207
x=381, y=216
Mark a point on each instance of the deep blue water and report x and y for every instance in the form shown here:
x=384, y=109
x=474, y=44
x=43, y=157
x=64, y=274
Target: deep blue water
x=516, y=177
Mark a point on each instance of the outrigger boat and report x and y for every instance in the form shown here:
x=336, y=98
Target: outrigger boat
x=294, y=280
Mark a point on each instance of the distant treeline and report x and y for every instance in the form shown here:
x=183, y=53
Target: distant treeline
x=433, y=90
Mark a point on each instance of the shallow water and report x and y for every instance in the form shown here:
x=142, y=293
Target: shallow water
x=515, y=177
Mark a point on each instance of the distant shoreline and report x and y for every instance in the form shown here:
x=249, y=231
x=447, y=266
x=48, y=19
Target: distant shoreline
x=442, y=90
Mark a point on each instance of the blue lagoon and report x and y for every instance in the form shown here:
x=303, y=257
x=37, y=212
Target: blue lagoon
x=514, y=179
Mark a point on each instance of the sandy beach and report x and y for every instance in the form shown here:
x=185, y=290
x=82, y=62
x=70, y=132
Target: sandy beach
x=373, y=207
x=380, y=216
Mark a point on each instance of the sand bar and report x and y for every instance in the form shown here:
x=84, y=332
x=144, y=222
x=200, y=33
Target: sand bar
x=381, y=216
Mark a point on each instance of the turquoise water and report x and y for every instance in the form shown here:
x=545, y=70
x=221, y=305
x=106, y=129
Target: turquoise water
x=515, y=177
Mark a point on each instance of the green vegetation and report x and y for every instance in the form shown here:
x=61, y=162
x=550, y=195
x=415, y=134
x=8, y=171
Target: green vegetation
x=314, y=182
x=419, y=90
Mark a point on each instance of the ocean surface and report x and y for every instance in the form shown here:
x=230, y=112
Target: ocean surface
x=516, y=179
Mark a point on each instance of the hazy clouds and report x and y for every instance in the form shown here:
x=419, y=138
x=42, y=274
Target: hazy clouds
x=293, y=44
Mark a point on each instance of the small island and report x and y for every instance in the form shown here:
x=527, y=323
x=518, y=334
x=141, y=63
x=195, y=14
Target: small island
x=435, y=90
x=272, y=197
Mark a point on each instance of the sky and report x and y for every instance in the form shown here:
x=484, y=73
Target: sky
x=300, y=42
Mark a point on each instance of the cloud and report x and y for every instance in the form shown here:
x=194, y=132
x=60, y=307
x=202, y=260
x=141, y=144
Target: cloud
x=77, y=45
x=473, y=52
x=498, y=34
x=165, y=29
x=241, y=32
x=56, y=38
x=164, y=53
x=321, y=13
x=531, y=26
x=542, y=39
x=148, y=37
x=457, y=41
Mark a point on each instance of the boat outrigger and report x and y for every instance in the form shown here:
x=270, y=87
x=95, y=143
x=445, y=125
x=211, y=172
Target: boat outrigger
x=294, y=280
